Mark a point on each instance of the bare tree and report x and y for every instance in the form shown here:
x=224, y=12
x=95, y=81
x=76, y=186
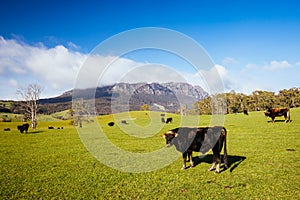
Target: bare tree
x=30, y=97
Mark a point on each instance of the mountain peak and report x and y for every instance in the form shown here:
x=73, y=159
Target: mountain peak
x=170, y=96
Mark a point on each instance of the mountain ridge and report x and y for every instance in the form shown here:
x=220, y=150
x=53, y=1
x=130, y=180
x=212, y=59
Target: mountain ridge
x=122, y=97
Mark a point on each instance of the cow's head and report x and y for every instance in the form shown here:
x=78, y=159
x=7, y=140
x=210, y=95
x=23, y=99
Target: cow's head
x=169, y=136
x=267, y=114
x=269, y=111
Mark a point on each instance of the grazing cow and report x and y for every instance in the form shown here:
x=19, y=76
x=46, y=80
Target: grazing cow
x=6, y=129
x=124, y=122
x=50, y=127
x=278, y=112
x=186, y=140
x=169, y=120
x=245, y=112
x=23, y=128
x=111, y=123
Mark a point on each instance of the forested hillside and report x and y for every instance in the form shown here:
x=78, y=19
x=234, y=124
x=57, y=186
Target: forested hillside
x=232, y=102
x=258, y=100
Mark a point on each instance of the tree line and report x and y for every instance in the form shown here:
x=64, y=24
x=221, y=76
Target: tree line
x=233, y=102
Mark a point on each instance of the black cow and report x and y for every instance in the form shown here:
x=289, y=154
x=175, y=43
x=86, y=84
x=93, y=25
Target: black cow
x=50, y=127
x=23, y=128
x=6, y=129
x=186, y=140
x=278, y=112
x=169, y=120
x=245, y=112
x=111, y=123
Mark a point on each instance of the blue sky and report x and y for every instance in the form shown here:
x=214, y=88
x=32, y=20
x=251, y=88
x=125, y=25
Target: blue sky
x=254, y=44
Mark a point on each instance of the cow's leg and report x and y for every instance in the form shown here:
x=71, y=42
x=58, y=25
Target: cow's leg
x=273, y=119
x=286, y=117
x=216, y=160
x=217, y=153
x=190, y=154
x=218, y=164
x=184, y=160
x=213, y=163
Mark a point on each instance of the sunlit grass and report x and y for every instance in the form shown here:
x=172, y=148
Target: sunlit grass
x=47, y=164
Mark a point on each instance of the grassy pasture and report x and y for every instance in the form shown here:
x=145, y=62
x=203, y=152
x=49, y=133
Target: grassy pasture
x=54, y=164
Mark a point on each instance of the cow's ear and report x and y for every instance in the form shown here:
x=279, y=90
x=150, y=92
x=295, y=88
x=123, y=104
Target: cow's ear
x=163, y=135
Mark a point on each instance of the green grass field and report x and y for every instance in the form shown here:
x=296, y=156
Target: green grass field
x=54, y=164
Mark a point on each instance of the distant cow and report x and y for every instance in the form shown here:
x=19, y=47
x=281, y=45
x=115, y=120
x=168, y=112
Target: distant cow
x=186, y=140
x=245, y=112
x=124, y=122
x=6, y=129
x=111, y=123
x=278, y=112
x=50, y=127
x=169, y=120
x=163, y=120
x=23, y=128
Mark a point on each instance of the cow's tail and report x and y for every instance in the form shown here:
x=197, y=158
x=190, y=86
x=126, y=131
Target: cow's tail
x=225, y=149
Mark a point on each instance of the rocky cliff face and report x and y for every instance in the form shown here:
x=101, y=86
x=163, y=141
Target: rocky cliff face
x=180, y=89
x=160, y=96
x=169, y=97
x=186, y=89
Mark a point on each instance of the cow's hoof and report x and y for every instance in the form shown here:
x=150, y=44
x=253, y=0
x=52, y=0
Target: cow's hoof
x=183, y=168
x=216, y=172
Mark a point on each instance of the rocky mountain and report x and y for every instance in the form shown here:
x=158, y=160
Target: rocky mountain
x=122, y=97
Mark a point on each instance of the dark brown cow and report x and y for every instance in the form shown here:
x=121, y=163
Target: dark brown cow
x=23, y=128
x=169, y=120
x=186, y=140
x=278, y=112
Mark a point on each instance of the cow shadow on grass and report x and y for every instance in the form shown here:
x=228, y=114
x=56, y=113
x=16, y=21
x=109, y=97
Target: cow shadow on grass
x=279, y=120
x=233, y=161
x=33, y=132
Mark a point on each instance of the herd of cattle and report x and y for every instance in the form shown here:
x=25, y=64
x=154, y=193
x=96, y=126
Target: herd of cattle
x=198, y=139
x=169, y=120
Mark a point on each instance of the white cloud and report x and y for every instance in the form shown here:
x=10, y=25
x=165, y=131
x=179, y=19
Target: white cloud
x=215, y=80
x=73, y=46
x=270, y=77
x=229, y=61
x=100, y=70
x=276, y=65
x=13, y=83
x=57, y=69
